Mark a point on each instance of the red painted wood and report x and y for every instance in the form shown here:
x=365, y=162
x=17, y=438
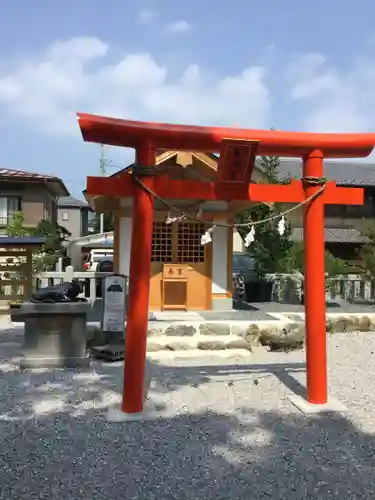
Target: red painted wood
x=171, y=189
x=139, y=290
x=127, y=133
x=314, y=289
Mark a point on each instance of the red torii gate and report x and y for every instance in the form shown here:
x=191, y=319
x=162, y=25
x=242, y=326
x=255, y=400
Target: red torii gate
x=238, y=149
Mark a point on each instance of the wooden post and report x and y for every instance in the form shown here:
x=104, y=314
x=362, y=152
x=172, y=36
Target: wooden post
x=315, y=302
x=139, y=288
x=28, y=285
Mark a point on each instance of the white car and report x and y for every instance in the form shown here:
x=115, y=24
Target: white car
x=94, y=257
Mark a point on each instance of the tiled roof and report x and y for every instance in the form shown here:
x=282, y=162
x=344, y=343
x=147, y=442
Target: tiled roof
x=70, y=201
x=348, y=173
x=334, y=235
x=19, y=241
x=20, y=174
x=7, y=174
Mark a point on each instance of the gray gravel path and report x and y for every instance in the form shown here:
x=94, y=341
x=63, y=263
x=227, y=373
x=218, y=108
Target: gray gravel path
x=226, y=431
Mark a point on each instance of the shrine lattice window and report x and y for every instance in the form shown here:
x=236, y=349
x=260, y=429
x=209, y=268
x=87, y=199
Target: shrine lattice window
x=189, y=247
x=161, y=242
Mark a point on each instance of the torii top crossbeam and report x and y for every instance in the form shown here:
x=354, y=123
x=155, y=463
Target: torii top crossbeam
x=130, y=134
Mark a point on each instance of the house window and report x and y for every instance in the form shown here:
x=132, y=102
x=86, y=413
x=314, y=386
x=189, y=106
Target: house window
x=9, y=205
x=65, y=216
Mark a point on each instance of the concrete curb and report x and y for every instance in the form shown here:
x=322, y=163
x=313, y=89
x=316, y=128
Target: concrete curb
x=178, y=336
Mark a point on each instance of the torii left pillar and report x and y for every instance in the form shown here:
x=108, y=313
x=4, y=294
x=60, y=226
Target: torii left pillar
x=139, y=288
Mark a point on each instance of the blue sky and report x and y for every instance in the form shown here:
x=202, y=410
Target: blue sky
x=254, y=63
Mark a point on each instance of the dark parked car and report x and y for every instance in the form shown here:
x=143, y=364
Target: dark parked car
x=243, y=267
x=103, y=266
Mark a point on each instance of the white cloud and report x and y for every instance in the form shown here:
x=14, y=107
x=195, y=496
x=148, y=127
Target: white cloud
x=334, y=100
x=79, y=75
x=145, y=16
x=181, y=26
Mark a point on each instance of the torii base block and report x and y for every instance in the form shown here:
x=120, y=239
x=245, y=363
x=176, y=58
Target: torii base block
x=331, y=406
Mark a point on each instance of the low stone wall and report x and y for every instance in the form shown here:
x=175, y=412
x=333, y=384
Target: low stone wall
x=218, y=336
x=352, y=288
x=288, y=288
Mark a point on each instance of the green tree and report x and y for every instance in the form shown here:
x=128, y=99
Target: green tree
x=16, y=227
x=270, y=249
x=294, y=261
x=275, y=253
x=366, y=253
x=55, y=236
x=54, y=247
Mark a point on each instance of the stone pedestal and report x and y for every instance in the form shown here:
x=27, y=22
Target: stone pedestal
x=55, y=334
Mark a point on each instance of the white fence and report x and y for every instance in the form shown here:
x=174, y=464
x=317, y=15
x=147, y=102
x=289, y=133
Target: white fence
x=91, y=280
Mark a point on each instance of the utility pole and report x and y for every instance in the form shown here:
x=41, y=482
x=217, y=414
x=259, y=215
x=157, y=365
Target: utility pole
x=102, y=172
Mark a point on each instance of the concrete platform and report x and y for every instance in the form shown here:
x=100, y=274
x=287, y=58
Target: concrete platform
x=151, y=411
x=57, y=362
x=251, y=314
x=332, y=406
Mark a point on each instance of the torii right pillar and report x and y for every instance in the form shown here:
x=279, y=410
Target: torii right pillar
x=314, y=290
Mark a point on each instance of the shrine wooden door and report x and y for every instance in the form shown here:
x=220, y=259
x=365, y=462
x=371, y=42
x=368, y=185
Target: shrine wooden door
x=181, y=244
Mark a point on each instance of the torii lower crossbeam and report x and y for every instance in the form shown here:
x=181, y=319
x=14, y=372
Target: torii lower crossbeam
x=166, y=188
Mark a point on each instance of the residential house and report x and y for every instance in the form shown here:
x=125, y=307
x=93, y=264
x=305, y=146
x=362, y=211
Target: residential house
x=34, y=194
x=73, y=214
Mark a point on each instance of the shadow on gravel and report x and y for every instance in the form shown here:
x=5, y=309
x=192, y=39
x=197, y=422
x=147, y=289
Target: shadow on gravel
x=56, y=443
x=202, y=456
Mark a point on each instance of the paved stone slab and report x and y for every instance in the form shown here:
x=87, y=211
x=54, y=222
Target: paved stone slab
x=250, y=315
x=332, y=406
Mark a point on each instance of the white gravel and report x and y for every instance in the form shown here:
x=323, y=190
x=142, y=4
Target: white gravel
x=226, y=430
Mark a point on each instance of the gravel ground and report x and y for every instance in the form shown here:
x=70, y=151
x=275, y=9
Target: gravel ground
x=226, y=430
